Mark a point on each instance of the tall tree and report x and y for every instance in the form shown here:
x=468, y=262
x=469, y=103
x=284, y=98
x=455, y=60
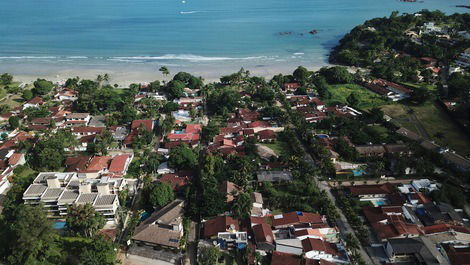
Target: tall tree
x=83, y=220
x=31, y=237
x=208, y=255
x=98, y=252
x=161, y=194
x=242, y=206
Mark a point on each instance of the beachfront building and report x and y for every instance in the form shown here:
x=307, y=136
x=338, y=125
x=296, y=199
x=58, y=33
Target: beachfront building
x=55, y=191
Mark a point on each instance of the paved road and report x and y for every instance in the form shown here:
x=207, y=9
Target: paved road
x=341, y=222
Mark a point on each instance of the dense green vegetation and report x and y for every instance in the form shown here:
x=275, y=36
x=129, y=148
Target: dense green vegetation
x=377, y=43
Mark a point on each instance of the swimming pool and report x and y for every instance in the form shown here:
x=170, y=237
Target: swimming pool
x=59, y=225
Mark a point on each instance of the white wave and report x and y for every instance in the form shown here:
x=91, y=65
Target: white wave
x=190, y=12
x=77, y=57
x=299, y=53
x=187, y=57
x=28, y=57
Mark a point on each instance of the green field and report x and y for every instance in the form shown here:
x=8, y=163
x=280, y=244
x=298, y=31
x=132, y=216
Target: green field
x=367, y=99
x=436, y=124
x=277, y=147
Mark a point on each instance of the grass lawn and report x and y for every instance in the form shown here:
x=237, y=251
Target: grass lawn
x=367, y=99
x=380, y=130
x=434, y=121
x=278, y=147
x=13, y=101
x=429, y=87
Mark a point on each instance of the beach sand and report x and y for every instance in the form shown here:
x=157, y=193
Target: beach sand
x=125, y=74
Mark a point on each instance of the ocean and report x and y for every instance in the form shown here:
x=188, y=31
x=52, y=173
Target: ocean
x=182, y=34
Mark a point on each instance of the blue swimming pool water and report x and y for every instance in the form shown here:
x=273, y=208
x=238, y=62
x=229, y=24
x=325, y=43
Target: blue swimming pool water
x=58, y=225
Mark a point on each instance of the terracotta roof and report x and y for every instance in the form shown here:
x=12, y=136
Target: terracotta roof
x=313, y=244
x=357, y=190
x=293, y=218
x=458, y=255
x=174, y=180
x=219, y=224
x=87, y=129
x=377, y=214
x=395, y=227
x=14, y=159
x=193, y=128
x=98, y=163
x=441, y=228
x=77, y=163
x=228, y=188
x=281, y=258
x=263, y=233
x=266, y=135
x=118, y=164
x=148, y=124
x=262, y=124
x=35, y=100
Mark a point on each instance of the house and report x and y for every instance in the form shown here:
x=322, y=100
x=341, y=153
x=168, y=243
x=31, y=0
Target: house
x=424, y=185
x=164, y=228
x=77, y=119
x=219, y=224
x=175, y=181
x=66, y=94
x=458, y=254
x=291, y=86
x=264, y=237
x=446, y=233
x=119, y=165
x=257, y=208
x=431, y=213
x=365, y=192
x=230, y=189
x=298, y=219
x=56, y=191
x=274, y=176
x=86, y=130
x=370, y=150
x=266, y=135
x=147, y=124
x=282, y=258
x=319, y=249
x=35, y=102
x=395, y=227
x=418, y=250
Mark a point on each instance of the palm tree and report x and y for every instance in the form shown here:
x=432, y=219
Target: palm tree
x=164, y=70
x=106, y=77
x=99, y=79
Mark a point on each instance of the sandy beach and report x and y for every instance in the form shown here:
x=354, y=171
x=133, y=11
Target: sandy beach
x=125, y=74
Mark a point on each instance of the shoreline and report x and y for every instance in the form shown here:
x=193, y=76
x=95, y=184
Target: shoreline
x=125, y=74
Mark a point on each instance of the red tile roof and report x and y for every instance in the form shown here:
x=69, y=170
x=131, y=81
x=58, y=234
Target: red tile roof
x=262, y=124
x=118, y=164
x=263, y=233
x=266, y=135
x=395, y=227
x=219, y=224
x=357, y=190
x=87, y=129
x=193, y=128
x=174, y=180
x=281, y=258
x=313, y=244
x=77, y=163
x=98, y=163
x=14, y=159
x=148, y=124
x=293, y=218
x=35, y=100
x=441, y=228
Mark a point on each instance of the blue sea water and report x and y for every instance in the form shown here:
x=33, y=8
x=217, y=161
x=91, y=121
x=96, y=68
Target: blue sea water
x=185, y=32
